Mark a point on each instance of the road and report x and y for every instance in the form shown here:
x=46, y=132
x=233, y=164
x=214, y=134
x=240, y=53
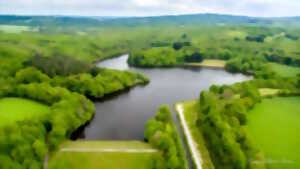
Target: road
x=191, y=143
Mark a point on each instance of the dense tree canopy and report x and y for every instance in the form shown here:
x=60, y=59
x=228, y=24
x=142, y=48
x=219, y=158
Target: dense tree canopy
x=161, y=132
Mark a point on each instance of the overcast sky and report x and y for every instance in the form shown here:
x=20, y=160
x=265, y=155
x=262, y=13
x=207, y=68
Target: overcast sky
x=150, y=7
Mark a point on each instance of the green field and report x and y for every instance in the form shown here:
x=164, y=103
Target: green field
x=264, y=92
x=190, y=115
x=16, y=29
x=18, y=109
x=274, y=126
x=285, y=71
x=103, y=160
x=213, y=63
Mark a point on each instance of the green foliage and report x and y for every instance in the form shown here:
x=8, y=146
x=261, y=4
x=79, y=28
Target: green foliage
x=161, y=132
x=179, y=45
x=195, y=57
x=103, y=83
x=222, y=118
x=32, y=136
x=164, y=57
x=58, y=65
x=258, y=38
x=158, y=57
x=292, y=37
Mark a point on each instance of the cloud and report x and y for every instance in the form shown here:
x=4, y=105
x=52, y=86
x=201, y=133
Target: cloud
x=150, y=7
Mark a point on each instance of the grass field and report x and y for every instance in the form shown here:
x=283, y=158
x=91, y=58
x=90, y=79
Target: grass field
x=16, y=29
x=190, y=115
x=285, y=71
x=268, y=92
x=274, y=126
x=236, y=34
x=104, y=160
x=17, y=109
x=213, y=63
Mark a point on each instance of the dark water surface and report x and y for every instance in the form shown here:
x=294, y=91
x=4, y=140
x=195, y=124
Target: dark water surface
x=123, y=117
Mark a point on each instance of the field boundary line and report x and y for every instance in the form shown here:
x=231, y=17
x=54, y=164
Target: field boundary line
x=108, y=150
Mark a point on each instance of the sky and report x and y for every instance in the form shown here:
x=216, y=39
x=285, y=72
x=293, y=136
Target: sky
x=263, y=8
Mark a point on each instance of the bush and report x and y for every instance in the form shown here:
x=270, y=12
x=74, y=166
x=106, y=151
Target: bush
x=257, y=38
x=195, y=57
x=179, y=45
x=290, y=36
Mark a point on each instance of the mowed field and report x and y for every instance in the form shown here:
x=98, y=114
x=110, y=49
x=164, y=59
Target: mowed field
x=18, y=109
x=274, y=126
x=209, y=63
x=284, y=70
x=105, y=155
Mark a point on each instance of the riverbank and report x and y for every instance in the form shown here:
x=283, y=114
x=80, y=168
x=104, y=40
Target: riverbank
x=187, y=116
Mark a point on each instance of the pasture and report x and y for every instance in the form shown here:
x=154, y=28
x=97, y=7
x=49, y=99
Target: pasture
x=274, y=126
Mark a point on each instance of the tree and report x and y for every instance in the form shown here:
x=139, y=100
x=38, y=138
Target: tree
x=177, y=45
x=195, y=57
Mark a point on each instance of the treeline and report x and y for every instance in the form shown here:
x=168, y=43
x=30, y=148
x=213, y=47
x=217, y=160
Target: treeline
x=105, y=81
x=162, y=133
x=279, y=57
x=222, y=119
x=250, y=66
x=164, y=57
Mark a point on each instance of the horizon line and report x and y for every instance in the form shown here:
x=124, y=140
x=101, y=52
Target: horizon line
x=145, y=16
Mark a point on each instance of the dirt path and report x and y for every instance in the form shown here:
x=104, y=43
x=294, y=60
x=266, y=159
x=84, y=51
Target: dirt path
x=195, y=153
x=108, y=150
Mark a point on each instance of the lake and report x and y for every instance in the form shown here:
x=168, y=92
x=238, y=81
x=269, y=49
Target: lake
x=123, y=117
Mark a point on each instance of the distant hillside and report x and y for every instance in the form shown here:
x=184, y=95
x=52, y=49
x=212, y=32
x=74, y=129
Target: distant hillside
x=133, y=21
